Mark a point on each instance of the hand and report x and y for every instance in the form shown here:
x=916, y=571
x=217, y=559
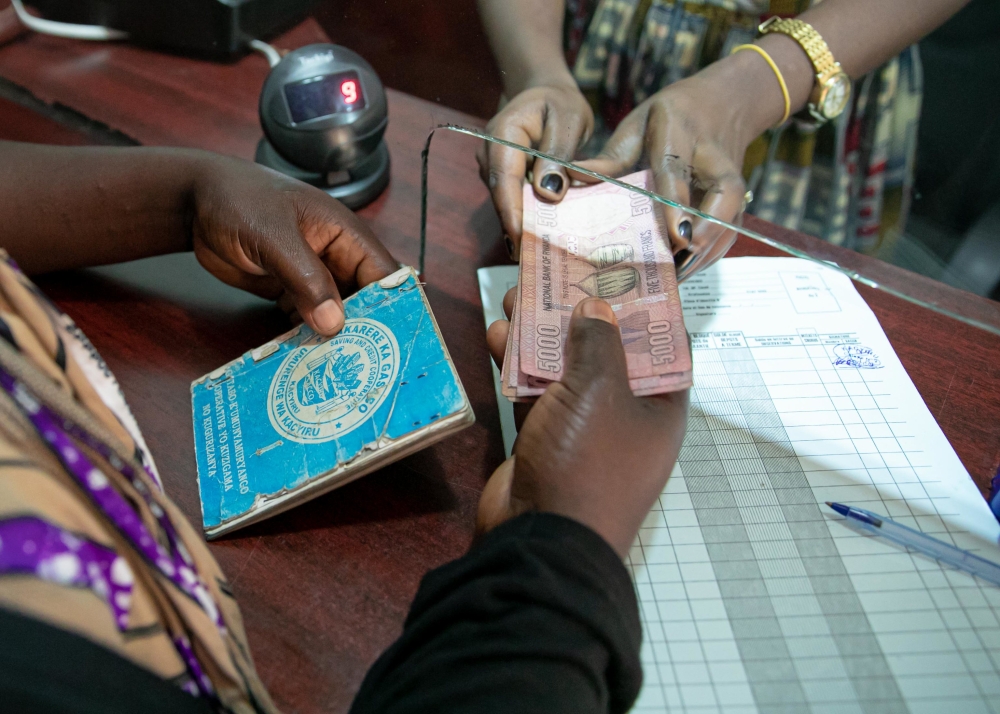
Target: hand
x=261, y=231
x=555, y=119
x=588, y=449
x=694, y=135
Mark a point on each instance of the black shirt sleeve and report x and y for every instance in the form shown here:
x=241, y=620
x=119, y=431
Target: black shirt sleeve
x=540, y=616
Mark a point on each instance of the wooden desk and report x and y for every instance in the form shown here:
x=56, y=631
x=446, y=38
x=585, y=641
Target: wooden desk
x=325, y=587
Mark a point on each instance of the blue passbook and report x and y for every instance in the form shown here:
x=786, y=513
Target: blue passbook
x=304, y=414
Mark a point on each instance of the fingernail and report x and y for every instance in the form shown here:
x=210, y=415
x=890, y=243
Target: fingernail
x=685, y=261
x=552, y=182
x=328, y=317
x=597, y=309
x=684, y=230
x=510, y=246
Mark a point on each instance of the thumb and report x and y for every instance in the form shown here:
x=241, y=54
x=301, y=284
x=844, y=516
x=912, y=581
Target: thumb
x=595, y=355
x=495, y=501
x=307, y=280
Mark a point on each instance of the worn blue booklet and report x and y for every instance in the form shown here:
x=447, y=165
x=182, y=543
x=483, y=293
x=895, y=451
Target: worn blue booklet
x=304, y=414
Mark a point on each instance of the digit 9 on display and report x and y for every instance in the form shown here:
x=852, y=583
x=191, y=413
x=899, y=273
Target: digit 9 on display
x=324, y=95
x=324, y=113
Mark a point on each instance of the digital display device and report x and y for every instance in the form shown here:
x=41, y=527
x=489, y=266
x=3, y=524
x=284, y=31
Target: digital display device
x=324, y=95
x=324, y=113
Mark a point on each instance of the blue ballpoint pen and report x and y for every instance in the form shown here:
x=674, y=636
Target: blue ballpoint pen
x=909, y=538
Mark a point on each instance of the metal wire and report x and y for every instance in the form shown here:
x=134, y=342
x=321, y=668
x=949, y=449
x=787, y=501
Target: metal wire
x=849, y=272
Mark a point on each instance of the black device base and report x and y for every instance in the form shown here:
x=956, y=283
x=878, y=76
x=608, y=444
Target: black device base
x=355, y=187
x=217, y=29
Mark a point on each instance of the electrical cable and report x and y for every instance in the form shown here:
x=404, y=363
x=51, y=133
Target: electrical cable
x=97, y=33
x=273, y=57
x=93, y=33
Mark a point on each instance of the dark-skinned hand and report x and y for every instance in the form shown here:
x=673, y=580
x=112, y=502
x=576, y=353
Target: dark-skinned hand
x=691, y=134
x=261, y=231
x=587, y=449
x=693, y=142
x=555, y=119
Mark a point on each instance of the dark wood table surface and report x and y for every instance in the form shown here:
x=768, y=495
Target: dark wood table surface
x=326, y=586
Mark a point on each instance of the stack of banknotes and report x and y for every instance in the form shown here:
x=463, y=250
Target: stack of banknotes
x=599, y=241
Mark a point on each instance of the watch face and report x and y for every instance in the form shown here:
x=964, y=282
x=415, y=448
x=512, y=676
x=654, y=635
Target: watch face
x=838, y=92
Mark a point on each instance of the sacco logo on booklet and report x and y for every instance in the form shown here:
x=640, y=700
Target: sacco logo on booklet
x=304, y=414
x=323, y=391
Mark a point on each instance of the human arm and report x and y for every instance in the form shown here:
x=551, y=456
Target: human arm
x=251, y=227
x=540, y=615
x=546, y=110
x=696, y=131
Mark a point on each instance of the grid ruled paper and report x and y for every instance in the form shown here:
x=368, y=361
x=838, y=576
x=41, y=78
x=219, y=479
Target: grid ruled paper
x=754, y=596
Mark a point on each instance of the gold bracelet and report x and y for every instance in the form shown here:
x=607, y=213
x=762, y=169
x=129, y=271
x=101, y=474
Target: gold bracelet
x=777, y=73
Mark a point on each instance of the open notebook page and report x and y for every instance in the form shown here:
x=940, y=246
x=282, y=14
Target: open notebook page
x=754, y=596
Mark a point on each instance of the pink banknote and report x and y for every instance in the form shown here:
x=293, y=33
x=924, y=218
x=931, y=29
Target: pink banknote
x=599, y=241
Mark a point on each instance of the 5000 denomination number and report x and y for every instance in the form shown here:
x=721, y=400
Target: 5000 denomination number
x=548, y=348
x=661, y=342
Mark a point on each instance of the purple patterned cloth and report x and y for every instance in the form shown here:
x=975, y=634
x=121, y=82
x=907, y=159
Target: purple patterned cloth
x=175, y=564
x=32, y=546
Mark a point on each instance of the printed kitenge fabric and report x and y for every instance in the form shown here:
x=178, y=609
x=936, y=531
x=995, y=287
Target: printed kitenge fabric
x=848, y=182
x=89, y=542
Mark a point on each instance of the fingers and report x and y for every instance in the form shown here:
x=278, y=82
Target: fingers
x=562, y=135
x=508, y=302
x=496, y=340
x=622, y=151
x=262, y=231
x=504, y=178
x=334, y=247
x=263, y=286
x=496, y=333
x=595, y=356
x=723, y=188
x=495, y=505
x=345, y=243
x=307, y=280
x=670, y=147
x=717, y=250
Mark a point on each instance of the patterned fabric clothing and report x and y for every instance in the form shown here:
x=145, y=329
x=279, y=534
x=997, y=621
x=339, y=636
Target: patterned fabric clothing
x=89, y=542
x=848, y=182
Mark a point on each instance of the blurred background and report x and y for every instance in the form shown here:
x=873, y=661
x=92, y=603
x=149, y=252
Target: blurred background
x=952, y=231
x=436, y=51
x=918, y=187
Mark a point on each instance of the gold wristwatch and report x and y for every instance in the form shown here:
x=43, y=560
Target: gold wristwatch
x=832, y=90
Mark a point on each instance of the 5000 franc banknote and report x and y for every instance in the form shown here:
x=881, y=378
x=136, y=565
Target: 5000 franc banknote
x=599, y=241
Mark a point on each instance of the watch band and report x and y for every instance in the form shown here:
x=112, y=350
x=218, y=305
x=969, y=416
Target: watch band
x=832, y=88
x=811, y=42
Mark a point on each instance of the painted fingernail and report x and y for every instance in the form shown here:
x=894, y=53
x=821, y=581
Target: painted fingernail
x=328, y=317
x=510, y=246
x=684, y=230
x=685, y=261
x=552, y=182
x=597, y=309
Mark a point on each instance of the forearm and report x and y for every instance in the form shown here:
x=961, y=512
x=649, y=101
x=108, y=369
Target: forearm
x=539, y=617
x=75, y=207
x=526, y=38
x=861, y=34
